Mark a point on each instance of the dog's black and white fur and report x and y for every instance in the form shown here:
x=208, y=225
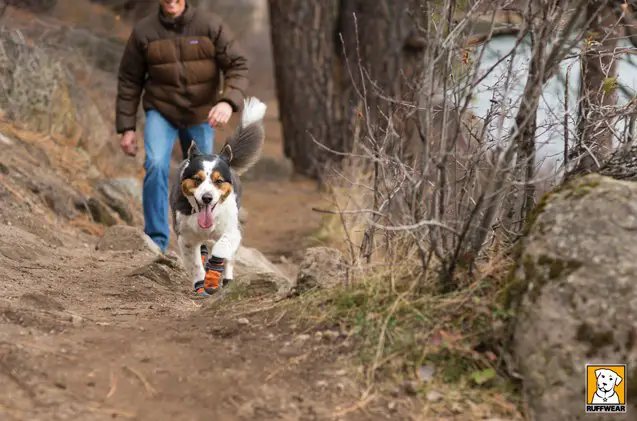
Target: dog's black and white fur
x=206, y=194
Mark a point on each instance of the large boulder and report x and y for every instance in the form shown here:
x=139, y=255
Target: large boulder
x=129, y=186
x=251, y=260
x=253, y=268
x=322, y=267
x=575, y=292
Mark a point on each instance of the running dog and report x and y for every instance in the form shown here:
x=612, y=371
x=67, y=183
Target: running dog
x=205, y=200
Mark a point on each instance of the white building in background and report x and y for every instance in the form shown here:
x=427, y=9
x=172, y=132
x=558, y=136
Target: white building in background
x=550, y=118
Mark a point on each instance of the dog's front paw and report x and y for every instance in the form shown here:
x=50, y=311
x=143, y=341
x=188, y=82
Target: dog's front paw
x=212, y=281
x=202, y=291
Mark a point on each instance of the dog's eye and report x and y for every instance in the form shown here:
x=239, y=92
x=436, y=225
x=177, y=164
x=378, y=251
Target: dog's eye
x=219, y=181
x=197, y=181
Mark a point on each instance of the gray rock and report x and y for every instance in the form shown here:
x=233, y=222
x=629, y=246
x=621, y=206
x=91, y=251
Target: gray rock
x=255, y=275
x=264, y=283
x=251, y=260
x=575, y=293
x=269, y=168
x=117, y=199
x=126, y=238
x=100, y=213
x=162, y=270
x=322, y=267
x=60, y=198
x=128, y=185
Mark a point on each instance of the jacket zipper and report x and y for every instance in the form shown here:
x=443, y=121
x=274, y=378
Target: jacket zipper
x=182, y=82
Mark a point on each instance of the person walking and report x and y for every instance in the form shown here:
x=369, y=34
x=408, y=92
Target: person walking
x=177, y=57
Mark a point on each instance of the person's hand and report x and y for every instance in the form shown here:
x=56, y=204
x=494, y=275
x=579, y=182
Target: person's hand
x=219, y=114
x=129, y=143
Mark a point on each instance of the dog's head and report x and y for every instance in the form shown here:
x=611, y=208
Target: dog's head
x=206, y=182
x=607, y=379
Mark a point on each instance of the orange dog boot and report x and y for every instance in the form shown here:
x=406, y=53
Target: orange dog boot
x=214, y=272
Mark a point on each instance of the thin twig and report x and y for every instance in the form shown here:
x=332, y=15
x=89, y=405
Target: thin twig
x=149, y=388
x=113, y=387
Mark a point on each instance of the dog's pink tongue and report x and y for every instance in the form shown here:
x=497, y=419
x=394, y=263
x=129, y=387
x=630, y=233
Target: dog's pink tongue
x=205, y=216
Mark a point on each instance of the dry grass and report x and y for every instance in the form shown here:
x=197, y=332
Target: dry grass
x=429, y=236
x=66, y=160
x=443, y=349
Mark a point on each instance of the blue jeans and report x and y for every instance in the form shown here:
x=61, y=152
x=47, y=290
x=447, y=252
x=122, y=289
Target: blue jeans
x=159, y=140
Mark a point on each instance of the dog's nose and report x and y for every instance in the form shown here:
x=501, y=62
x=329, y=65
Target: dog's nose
x=206, y=198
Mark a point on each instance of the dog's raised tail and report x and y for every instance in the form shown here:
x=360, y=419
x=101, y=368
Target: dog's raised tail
x=253, y=111
x=243, y=149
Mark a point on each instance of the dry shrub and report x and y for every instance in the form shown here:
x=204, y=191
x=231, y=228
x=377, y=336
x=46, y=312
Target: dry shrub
x=52, y=84
x=430, y=228
x=35, y=86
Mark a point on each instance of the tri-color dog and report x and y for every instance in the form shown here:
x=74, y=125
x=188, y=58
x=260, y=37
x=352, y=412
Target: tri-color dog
x=205, y=200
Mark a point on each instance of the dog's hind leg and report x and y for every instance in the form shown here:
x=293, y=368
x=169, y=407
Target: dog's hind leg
x=229, y=272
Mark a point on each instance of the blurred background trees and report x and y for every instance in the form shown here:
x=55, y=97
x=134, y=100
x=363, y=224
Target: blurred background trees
x=330, y=57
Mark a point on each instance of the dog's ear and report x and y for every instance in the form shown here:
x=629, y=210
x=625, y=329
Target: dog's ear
x=226, y=153
x=618, y=380
x=598, y=372
x=193, y=150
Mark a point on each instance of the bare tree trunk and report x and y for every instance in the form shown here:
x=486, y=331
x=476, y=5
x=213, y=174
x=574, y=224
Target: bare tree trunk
x=389, y=51
x=303, y=41
x=597, y=86
x=323, y=51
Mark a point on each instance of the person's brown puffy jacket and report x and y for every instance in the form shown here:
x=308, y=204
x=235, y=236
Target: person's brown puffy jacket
x=178, y=63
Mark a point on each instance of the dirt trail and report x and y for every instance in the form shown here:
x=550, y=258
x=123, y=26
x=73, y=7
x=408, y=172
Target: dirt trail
x=84, y=338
